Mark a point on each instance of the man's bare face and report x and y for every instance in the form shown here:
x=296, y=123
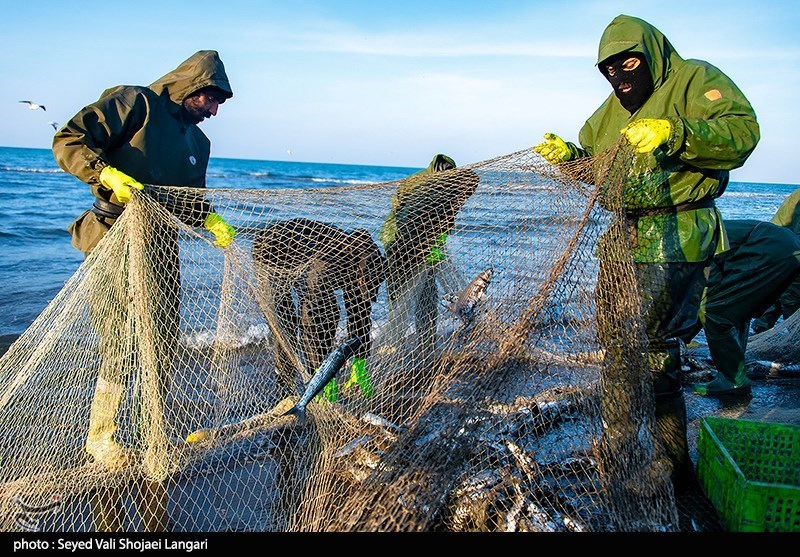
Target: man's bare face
x=201, y=105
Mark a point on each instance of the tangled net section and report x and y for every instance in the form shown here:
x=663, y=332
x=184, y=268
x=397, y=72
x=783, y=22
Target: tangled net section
x=775, y=351
x=474, y=400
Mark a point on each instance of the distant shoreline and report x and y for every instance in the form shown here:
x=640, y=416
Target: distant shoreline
x=402, y=169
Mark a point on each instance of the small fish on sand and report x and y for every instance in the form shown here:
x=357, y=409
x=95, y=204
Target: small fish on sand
x=463, y=304
x=327, y=370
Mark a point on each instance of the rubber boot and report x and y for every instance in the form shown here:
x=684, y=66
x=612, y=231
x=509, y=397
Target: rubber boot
x=100, y=442
x=671, y=424
x=670, y=411
x=722, y=386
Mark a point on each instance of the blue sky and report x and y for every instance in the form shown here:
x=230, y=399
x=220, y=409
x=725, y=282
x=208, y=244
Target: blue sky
x=390, y=83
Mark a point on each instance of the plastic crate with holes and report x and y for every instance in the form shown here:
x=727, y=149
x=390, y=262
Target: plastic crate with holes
x=751, y=472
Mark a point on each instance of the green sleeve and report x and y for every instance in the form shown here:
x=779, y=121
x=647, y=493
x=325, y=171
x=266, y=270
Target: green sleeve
x=576, y=152
x=787, y=213
x=725, y=133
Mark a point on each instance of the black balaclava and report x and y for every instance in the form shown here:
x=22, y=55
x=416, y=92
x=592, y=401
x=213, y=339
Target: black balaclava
x=639, y=80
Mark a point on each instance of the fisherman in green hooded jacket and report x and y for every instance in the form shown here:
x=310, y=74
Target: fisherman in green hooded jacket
x=787, y=216
x=129, y=137
x=689, y=125
x=414, y=235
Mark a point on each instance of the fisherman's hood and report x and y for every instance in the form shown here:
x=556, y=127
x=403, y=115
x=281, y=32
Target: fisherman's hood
x=202, y=69
x=437, y=161
x=631, y=34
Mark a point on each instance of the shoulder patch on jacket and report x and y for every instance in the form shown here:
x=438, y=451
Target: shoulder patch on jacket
x=713, y=95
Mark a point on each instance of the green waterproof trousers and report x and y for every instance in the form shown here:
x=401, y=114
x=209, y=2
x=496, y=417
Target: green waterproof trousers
x=762, y=263
x=669, y=301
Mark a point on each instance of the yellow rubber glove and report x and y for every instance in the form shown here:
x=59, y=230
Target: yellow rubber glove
x=647, y=133
x=554, y=149
x=223, y=231
x=360, y=376
x=199, y=436
x=436, y=255
x=120, y=183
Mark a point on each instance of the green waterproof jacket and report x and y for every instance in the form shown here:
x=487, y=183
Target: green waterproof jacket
x=140, y=131
x=714, y=130
x=788, y=214
x=389, y=229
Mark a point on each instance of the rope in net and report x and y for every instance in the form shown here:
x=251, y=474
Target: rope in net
x=154, y=392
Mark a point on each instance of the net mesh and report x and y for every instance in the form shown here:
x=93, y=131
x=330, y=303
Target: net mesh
x=174, y=363
x=778, y=346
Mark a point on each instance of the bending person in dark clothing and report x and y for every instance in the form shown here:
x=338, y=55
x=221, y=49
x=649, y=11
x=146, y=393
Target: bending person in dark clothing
x=762, y=261
x=312, y=260
x=788, y=216
x=414, y=235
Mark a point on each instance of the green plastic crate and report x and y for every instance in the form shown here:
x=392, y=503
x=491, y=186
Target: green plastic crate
x=751, y=472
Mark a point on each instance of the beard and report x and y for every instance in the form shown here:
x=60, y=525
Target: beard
x=194, y=113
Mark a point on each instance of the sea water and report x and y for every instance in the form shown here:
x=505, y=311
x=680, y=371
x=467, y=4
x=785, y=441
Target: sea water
x=38, y=201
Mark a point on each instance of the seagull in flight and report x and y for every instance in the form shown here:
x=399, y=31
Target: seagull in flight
x=54, y=124
x=33, y=106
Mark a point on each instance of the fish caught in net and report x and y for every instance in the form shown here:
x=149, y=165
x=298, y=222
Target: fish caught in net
x=155, y=392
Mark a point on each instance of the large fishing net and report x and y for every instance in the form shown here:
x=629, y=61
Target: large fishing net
x=479, y=404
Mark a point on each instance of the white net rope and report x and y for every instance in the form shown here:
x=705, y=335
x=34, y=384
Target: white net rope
x=485, y=366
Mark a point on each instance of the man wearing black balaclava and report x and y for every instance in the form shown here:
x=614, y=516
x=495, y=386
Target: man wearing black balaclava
x=630, y=77
x=689, y=125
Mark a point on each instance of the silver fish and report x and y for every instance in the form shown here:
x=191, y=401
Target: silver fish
x=327, y=370
x=374, y=419
x=37, y=509
x=462, y=304
x=27, y=524
x=29, y=517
